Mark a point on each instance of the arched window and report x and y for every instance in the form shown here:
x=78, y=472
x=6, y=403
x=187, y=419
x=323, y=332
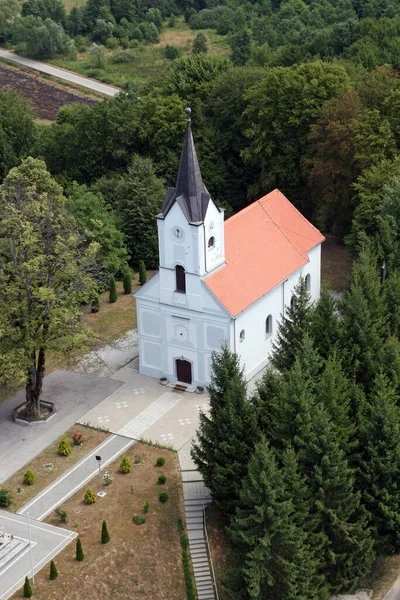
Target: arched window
x=268, y=325
x=211, y=242
x=308, y=283
x=180, y=279
x=242, y=335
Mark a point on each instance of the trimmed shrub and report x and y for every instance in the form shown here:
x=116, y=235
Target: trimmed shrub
x=79, y=550
x=104, y=533
x=64, y=447
x=113, y=290
x=124, y=56
x=161, y=479
x=138, y=519
x=163, y=497
x=5, y=498
x=160, y=462
x=90, y=497
x=62, y=515
x=29, y=477
x=146, y=506
x=53, y=571
x=127, y=282
x=95, y=306
x=142, y=273
x=27, y=588
x=125, y=465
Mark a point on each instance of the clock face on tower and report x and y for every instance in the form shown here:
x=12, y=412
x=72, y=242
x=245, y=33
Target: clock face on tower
x=211, y=226
x=178, y=233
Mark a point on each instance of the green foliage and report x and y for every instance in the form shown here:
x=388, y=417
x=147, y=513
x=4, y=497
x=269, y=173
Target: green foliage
x=90, y=496
x=53, y=571
x=190, y=73
x=241, y=47
x=27, y=588
x=200, y=44
x=5, y=498
x=160, y=462
x=125, y=465
x=62, y=515
x=161, y=479
x=187, y=571
x=325, y=323
x=146, y=506
x=163, y=497
x=97, y=57
x=124, y=57
x=17, y=131
x=79, y=551
x=95, y=304
x=113, y=296
x=139, y=519
x=40, y=38
x=45, y=9
x=64, y=447
x=142, y=273
x=127, y=281
x=105, y=538
x=172, y=52
x=29, y=477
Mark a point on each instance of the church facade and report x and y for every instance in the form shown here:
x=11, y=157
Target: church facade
x=220, y=281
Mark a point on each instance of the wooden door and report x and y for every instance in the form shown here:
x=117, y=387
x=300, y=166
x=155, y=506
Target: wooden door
x=184, y=371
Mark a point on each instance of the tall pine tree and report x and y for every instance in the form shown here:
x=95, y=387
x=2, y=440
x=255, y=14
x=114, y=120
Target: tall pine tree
x=325, y=323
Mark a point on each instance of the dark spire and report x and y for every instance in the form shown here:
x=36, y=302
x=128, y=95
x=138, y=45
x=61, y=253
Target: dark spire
x=190, y=191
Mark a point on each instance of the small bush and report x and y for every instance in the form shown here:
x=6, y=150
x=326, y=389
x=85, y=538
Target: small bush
x=125, y=465
x=127, y=282
x=27, y=588
x=29, y=477
x=160, y=462
x=163, y=497
x=142, y=273
x=62, y=515
x=104, y=533
x=79, y=550
x=90, y=496
x=172, y=52
x=125, y=56
x=112, y=43
x=113, y=290
x=53, y=571
x=146, y=506
x=5, y=498
x=161, y=479
x=95, y=306
x=64, y=447
x=138, y=519
x=77, y=439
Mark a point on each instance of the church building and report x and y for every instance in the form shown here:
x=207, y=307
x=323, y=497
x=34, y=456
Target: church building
x=220, y=281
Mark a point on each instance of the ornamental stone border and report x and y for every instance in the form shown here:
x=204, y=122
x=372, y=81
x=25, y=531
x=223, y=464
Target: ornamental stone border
x=26, y=421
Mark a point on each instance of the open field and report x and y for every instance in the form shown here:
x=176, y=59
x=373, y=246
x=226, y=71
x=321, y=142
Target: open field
x=21, y=493
x=46, y=98
x=140, y=561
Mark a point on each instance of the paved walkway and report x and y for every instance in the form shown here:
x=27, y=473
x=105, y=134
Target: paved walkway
x=74, y=479
x=47, y=542
x=85, y=82
x=394, y=592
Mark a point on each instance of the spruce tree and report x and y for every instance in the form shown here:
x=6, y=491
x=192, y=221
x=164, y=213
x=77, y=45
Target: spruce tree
x=200, y=44
x=345, y=542
x=392, y=302
x=265, y=398
x=127, y=281
x=53, y=571
x=27, y=588
x=379, y=465
x=95, y=305
x=79, y=550
x=226, y=437
x=104, y=533
x=293, y=326
x=275, y=558
x=325, y=323
x=113, y=290
x=142, y=273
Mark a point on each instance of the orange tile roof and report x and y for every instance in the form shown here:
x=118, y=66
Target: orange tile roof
x=264, y=244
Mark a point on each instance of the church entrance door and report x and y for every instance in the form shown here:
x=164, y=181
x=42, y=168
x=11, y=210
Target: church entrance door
x=184, y=371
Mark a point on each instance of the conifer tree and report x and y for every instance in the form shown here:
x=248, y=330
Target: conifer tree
x=265, y=398
x=294, y=324
x=27, y=588
x=325, y=324
x=127, y=281
x=226, y=437
x=200, y=44
x=104, y=533
x=53, y=571
x=346, y=545
x=95, y=305
x=276, y=562
x=142, y=273
x=79, y=550
x=379, y=465
x=113, y=290
x=392, y=302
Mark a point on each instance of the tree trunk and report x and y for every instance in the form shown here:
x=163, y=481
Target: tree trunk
x=34, y=384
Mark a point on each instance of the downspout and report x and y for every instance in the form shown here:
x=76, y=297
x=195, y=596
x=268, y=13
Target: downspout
x=205, y=253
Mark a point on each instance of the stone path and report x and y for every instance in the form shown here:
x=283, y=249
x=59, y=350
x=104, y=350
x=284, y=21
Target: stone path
x=74, y=479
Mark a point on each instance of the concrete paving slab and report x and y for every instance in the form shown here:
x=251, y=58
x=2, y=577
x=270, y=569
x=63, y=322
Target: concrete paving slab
x=185, y=460
x=74, y=394
x=47, y=541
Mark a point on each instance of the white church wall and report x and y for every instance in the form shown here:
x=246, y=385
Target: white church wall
x=214, y=238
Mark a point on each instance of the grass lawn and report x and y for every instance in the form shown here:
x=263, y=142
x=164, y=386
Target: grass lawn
x=140, y=561
x=21, y=493
x=336, y=264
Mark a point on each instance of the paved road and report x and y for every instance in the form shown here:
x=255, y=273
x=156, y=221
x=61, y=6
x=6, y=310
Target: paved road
x=74, y=479
x=90, y=84
x=394, y=592
x=73, y=394
x=47, y=541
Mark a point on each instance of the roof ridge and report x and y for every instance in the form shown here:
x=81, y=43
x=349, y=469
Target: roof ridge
x=283, y=233
x=296, y=209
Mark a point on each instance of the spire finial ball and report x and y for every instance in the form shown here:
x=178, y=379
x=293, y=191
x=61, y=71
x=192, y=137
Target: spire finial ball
x=188, y=111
